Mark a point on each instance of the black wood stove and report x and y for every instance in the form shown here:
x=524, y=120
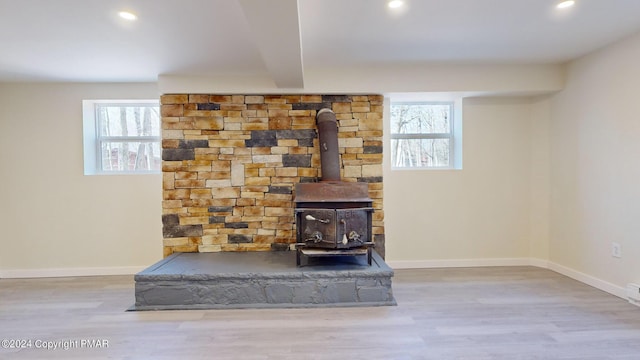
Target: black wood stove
x=333, y=217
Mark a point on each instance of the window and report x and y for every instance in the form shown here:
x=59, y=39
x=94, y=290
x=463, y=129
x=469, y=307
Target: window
x=422, y=135
x=121, y=136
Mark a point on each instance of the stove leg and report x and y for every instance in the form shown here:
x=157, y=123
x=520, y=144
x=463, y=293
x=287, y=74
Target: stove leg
x=369, y=255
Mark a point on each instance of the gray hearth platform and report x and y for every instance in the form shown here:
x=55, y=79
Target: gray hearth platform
x=232, y=280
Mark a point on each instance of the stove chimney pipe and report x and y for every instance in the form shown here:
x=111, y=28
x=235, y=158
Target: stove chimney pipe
x=328, y=137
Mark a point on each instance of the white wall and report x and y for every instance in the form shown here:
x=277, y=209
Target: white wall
x=540, y=177
x=595, y=165
x=483, y=211
x=493, y=79
x=51, y=215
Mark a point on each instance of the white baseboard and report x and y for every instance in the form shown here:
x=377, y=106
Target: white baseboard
x=539, y=263
x=64, y=272
x=590, y=280
x=574, y=274
x=429, y=264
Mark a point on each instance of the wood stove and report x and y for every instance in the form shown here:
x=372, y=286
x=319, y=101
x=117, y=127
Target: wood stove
x=333, y=217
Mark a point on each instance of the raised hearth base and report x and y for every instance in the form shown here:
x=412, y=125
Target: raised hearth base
x=230, y=280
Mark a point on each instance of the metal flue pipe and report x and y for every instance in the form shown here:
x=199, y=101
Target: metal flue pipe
x=328, y=137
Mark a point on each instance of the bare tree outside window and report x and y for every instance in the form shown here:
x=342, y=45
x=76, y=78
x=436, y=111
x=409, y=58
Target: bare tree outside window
x=421, y=135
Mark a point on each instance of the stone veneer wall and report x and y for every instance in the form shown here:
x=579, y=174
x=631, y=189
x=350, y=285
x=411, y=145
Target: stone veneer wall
x=230, y=163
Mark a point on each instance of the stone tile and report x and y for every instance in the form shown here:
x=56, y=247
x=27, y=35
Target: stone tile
x=237, y=238
x=174, y=99
x=209, y=248
x=172, y=110
x=254, y=99
x=296, y=161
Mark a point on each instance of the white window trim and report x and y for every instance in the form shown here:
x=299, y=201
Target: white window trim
x=92, y=138
x=454, y=156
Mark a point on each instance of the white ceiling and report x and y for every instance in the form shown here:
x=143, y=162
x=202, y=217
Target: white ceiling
x=84, y=40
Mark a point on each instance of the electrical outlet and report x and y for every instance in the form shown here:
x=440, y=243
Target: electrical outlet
x=616, y=250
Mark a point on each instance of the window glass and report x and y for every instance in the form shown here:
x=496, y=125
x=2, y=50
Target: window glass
x=421, y=135
x=122, y=136
x=128, y=156
x=139, y=120
x=420, y=152
x=421, y=118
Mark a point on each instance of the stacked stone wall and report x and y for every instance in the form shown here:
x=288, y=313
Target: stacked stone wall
x=230, y=163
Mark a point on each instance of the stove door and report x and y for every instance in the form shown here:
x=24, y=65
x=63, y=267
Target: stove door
x=316, y=227
x=353, y=227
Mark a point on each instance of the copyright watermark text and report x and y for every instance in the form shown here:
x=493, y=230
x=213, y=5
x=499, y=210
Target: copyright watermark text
x=54, y=344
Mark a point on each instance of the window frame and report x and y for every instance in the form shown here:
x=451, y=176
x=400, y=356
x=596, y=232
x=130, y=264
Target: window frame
x=93, y=139
x=426, y=136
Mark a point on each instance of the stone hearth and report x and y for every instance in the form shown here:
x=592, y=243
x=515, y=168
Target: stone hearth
x=261, y=280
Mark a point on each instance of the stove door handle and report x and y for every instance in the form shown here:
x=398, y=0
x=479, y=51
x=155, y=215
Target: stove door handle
x=311, y=218
x=344, y=232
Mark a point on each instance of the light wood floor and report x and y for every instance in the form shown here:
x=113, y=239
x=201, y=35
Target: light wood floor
x=481, y=313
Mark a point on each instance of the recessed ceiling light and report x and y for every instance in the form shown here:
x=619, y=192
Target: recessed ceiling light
x=127, y=15
x=565, y=4
x=394, y=4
